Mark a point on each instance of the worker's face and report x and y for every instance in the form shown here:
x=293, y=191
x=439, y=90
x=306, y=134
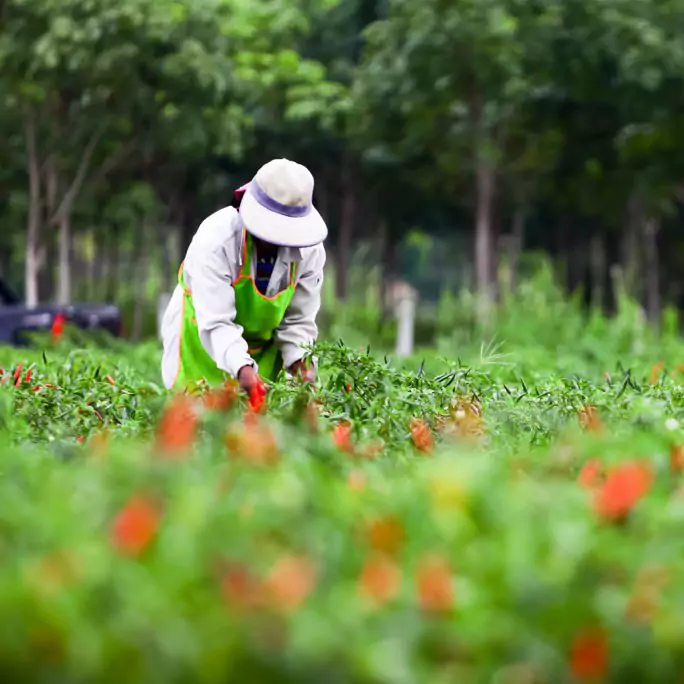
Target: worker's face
x=264, y=247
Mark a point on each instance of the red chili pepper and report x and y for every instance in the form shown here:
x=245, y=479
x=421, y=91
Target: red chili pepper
x=347, y=389
x=135, y=526
x=37, y=388
x=110, y=380
x=589, y=655
x=342, y=437
x=28, y=375
x=622, y=490
x=17, y=376
x=58, y=327
x=257, y=397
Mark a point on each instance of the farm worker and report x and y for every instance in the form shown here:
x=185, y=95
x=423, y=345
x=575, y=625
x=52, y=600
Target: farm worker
x=249, y=289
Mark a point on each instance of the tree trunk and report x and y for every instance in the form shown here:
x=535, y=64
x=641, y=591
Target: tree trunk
x=141, y=275
x=47, y=258
x=187, y=233
x=32, y=265
x=95, y=268
x=104, y=263
x=129, y=286
x=112, y=285
x=322, y=199
x=564, y=262
x=388, y=268
x=66, y=204
x=651, y=228
x=495, y=257
x=513, y=247
x=62, y=217
x=630, y=247
x=484, y=244
x=347, y=216
x=188, y=222
x=165, y=254
x=597, y=255
x=64, y=280
x=48, y=253
x=32, y=259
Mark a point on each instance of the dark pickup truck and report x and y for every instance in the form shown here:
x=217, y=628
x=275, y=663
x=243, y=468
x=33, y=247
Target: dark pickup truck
x=16, y=319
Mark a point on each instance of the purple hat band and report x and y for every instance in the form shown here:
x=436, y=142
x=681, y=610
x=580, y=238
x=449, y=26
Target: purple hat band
x=272, y=205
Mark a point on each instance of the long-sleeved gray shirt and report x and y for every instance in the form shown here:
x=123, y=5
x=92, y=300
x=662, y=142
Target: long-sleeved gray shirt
x=211, y=265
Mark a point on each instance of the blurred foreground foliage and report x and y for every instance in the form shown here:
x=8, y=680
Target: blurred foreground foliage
x=508, y=510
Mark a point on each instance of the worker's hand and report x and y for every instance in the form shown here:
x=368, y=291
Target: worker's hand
x=299, y=369
x=248, y=378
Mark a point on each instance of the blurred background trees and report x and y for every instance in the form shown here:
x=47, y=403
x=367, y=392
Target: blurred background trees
x=448, y=139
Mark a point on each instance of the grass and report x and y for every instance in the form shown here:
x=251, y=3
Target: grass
x=501, y=508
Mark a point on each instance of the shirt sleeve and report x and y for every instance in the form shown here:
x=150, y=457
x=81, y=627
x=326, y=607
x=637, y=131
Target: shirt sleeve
x=298, y=328
x=211, y=285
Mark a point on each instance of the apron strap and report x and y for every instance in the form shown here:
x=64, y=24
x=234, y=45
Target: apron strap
x=181, y=279
x=245, y=270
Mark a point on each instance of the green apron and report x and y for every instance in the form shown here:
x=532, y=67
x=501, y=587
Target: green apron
x=258, y=315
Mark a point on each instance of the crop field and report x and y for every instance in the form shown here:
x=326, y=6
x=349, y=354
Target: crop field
x=509, y=512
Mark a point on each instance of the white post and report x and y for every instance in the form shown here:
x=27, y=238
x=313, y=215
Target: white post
x=162, y=304
x=406, y=320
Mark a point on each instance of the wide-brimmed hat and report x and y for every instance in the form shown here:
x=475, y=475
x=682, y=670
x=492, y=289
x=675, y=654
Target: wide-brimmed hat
x=277, y=206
